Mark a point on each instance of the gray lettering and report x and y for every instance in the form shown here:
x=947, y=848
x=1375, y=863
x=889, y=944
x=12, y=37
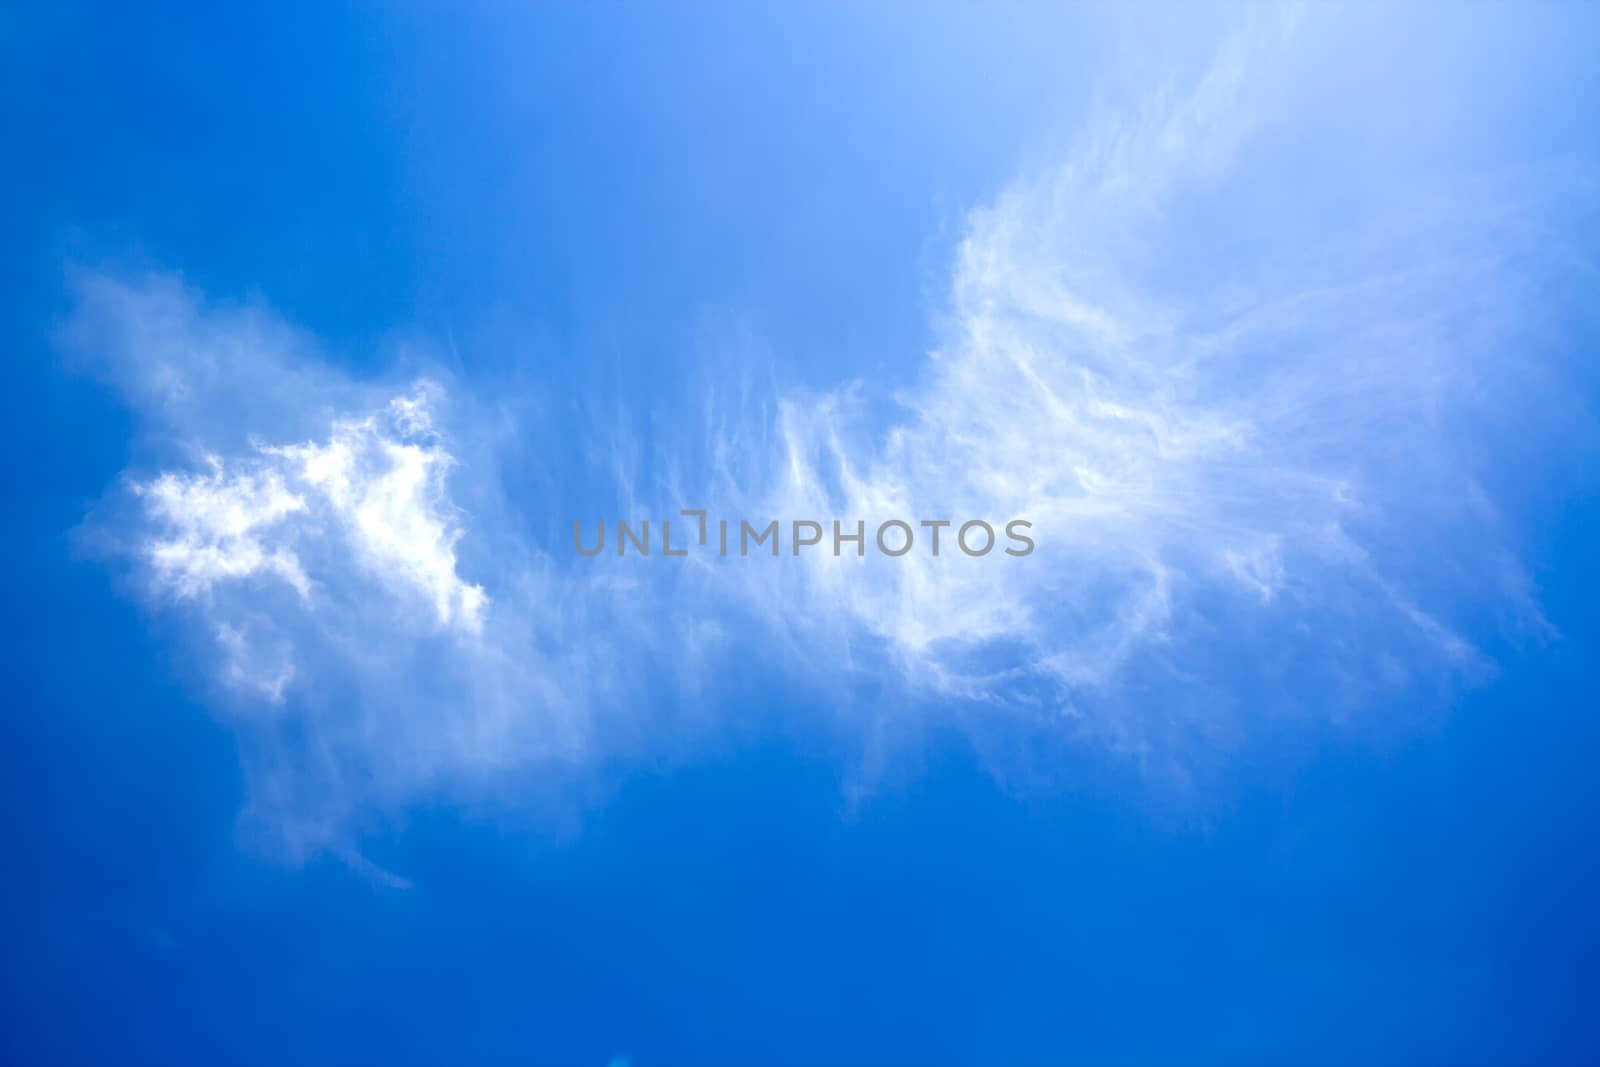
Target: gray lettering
x=1022, y=538
x=745, y=530
x=859, y=537
x=903, y=548
x=961, y=537
x=799, y=544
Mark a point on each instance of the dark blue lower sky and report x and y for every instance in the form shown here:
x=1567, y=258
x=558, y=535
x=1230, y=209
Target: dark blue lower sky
x=1429, y=901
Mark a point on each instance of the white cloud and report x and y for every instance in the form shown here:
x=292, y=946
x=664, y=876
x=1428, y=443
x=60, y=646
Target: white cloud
x=213, y=527
x=248, y=666
x=371, y=496
x=381, y=481
x=1245, y=447
x=310, y=531
x=1244, y=440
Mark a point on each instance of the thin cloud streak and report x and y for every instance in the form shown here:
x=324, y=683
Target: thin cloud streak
x=1201, y=453
x=1270, y=467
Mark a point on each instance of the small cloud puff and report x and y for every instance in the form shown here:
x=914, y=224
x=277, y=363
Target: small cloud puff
x=372, y=495
x=212, y=525
x=381, y=480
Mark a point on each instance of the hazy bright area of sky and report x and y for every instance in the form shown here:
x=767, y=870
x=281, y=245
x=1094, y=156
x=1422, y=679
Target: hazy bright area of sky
x=323, y=324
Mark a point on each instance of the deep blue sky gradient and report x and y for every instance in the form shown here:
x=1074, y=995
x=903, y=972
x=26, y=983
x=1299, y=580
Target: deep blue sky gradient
x=589, y=198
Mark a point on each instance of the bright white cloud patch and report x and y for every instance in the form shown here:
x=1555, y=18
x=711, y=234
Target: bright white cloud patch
x=372, y=496
x=213, y=526
x=382, y=480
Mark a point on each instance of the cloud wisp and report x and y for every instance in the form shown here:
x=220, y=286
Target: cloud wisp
x=1244, y=435
x=317, y=577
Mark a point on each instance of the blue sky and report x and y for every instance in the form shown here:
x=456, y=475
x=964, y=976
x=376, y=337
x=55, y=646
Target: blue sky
x=324, y=325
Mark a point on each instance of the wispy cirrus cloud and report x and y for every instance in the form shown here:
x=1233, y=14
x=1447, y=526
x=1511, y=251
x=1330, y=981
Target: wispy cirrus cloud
x=1248, y=441
x=360, y=661
x=1246, y=438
